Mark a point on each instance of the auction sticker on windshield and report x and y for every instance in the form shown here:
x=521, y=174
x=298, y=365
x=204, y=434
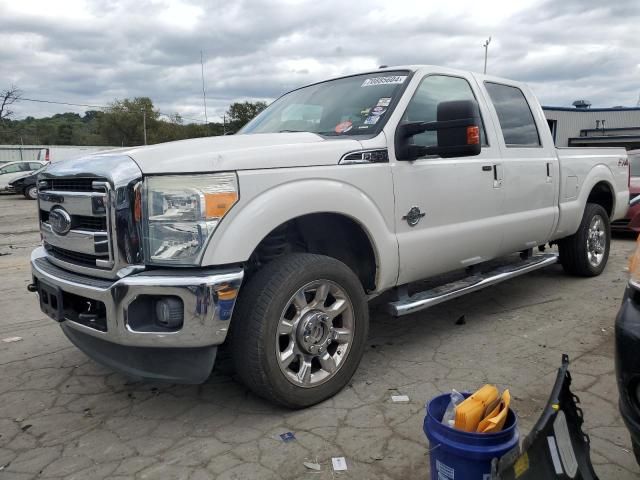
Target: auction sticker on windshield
x=343, y=127
x=390, y=80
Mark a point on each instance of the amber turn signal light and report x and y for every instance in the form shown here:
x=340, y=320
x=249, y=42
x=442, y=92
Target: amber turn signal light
x=473, y=135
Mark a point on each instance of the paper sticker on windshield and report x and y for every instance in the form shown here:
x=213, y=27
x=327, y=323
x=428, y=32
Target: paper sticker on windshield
x=390, y=80
x=378, y=110
x=384, y=102
x=343, y=127
x=371, y=120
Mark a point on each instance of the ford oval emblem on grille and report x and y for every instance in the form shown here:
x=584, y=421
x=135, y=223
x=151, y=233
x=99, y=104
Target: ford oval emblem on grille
x=59, y=220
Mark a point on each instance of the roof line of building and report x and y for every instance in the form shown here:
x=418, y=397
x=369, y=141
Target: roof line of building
x=579, y=110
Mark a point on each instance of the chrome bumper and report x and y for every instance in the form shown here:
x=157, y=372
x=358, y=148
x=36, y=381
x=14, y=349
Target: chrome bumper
x=203, y=325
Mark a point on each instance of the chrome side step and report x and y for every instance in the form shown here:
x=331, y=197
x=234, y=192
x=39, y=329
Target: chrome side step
x=429, y=298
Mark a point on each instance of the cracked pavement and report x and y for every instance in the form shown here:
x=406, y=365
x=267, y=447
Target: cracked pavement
x=64, y=416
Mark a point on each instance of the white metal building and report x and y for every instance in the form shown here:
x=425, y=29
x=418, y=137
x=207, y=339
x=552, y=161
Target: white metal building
x=584, y=126
x=54, y=153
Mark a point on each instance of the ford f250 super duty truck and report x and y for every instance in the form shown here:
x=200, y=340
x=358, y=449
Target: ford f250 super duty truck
x=273, y=240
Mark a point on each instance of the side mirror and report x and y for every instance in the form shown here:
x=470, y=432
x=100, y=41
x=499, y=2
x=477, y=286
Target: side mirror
x=458, y=129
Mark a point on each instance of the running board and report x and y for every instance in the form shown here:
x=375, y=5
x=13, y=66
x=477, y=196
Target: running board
x=429, y=298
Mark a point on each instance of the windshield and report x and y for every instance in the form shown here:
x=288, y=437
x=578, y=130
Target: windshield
x=357, y=105
x=634, y=160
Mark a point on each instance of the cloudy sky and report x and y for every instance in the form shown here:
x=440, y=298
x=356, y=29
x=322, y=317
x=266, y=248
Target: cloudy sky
x=92, y=51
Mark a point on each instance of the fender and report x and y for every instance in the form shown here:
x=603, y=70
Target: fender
x=571, y=211
x=248, y=223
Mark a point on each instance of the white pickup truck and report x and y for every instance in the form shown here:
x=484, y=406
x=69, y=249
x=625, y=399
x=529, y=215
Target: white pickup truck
x=337, y=192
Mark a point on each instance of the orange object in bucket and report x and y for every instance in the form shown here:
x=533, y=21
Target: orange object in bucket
x=470, y=412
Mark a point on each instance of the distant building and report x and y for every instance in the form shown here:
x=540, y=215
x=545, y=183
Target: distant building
x=583, y=126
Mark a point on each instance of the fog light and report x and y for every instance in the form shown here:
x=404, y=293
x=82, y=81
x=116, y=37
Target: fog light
x=170, y=312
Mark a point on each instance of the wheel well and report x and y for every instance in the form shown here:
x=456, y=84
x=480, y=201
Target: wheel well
x=329, y=234
x=602, y=195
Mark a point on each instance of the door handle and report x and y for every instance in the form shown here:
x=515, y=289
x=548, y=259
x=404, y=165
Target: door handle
x=497, y=175
x=549, y=179
x=487, y=168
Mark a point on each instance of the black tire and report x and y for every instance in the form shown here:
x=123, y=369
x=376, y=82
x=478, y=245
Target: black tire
x=636, y=452
x=31, y=192
x=261, y=305
x=574, y=251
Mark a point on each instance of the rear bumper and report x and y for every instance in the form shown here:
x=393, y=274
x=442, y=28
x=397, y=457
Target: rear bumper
x=139, y=348
x=628, y=361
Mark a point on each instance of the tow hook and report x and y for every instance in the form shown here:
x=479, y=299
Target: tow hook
x=32, y=287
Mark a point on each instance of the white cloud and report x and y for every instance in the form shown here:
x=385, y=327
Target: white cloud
x=96, y=50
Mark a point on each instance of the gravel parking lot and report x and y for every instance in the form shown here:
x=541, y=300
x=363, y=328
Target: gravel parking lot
x=63, y=416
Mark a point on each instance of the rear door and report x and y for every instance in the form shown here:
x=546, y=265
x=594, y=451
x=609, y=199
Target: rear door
x=530, y=168
x=446, y=208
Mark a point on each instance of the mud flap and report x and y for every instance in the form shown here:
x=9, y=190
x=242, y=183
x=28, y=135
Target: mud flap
x=556, y=447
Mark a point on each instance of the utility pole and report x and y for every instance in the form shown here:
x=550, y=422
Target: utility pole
x=486, y=52
x=204, y=93
x=144, y=124
x=224, y=124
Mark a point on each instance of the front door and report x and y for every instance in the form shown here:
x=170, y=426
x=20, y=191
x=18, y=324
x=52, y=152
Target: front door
x=446, y=208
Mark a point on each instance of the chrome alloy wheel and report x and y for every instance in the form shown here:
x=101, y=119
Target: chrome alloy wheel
x=315, y=332
x=596, y=241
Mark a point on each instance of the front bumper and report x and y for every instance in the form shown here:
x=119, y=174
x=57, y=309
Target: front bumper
x=123, y=342
x=628, y=360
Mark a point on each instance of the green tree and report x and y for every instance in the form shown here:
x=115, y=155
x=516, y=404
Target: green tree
x=122, y=123
x=65, y=133
x=240, y=113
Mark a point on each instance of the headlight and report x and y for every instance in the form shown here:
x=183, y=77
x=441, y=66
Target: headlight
x=182, y=213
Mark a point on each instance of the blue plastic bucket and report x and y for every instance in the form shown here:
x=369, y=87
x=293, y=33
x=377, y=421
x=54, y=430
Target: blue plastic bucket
x=458, y=455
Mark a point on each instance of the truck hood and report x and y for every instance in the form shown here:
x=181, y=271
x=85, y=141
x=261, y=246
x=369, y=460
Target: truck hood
x=241, y=152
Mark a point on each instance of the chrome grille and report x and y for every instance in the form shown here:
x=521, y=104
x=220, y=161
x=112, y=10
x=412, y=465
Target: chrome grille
x=95, y=230
x=69, y=184
x=71, y=256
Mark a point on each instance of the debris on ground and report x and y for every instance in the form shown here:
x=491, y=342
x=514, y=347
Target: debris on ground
x=312, y=466
x=11, y=339
x=399, y=398
x=461, y=321
x=2, y=467
x=339, y=463
x=87, y=413
x=287, y=437
x=24, y=428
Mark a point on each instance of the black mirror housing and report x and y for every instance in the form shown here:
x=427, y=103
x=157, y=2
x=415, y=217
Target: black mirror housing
x=457, y=127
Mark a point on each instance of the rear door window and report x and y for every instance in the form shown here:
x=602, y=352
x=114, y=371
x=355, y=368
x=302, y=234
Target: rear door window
x=516, y=120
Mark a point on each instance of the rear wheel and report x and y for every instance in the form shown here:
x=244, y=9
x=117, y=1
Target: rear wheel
x=31, y=192
x=586, y=252
x=300, y=329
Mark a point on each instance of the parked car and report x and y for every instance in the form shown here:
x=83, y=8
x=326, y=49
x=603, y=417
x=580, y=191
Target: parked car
x=335, y=193
x=627, y=333
x=631, y=221
x=27, y=184
x=13, y=170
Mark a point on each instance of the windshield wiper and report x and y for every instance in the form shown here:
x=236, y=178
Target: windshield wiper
x=329, y=134
x=292, y=131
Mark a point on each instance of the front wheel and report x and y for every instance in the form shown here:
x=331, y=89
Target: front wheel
x=300, y=329
x=31, y=192
x=585, y=253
